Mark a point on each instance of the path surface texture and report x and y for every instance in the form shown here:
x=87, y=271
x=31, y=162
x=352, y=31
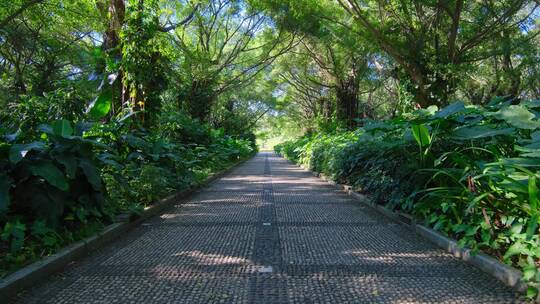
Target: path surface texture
x=270, y=232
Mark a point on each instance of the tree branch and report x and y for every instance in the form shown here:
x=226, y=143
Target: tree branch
x=181, y=23
x=19, y=11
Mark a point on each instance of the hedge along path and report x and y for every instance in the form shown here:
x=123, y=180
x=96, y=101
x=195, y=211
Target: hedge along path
x=270, y=232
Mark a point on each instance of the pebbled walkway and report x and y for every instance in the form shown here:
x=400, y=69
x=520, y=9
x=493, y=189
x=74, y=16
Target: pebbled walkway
x=270, y=232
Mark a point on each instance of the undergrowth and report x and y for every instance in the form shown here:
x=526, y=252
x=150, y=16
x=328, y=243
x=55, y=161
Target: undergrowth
x=469, y=172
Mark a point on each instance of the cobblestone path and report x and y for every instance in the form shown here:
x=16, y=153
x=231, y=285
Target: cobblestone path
x=269, y=232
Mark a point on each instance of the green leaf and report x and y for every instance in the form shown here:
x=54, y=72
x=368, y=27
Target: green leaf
x=51, y=174
x=421, y=134
x=450, y=109
x=69, y=162
x=97, y=52
x=535, y=103
x=520, y=161
x=18, y=152
x=45, y=128
x=533, y=193
x=481, y=132
x=92, y=173
x=529, y=271
x=136, y=142
x=532, y=226
x=535, y=136
x=531, y=153
x=516, y=228
x=379, y=125
x=429, y=110
x=39, y=228
x=101, y=106
x=518, y=116
x=531, y=292
x=498, y=102
x=62, y=128
x=49, y=241
x=15, y=232
x=514, y=249
x=5, y=185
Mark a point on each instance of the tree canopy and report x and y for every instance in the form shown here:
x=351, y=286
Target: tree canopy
x=329, y=61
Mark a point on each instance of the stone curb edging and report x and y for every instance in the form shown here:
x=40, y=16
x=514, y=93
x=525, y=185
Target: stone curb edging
x=508, y=275
x=40, y=270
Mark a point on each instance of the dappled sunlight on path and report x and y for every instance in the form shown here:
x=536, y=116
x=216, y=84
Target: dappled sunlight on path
x=270, y=232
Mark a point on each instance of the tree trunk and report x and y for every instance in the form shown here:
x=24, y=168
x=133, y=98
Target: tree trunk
x=512, y=74
x=199, y=100
x=347, y=102
x=43, y=83
x=325, y=109
x=347, y=95
x=115, y=10
x=20, y=86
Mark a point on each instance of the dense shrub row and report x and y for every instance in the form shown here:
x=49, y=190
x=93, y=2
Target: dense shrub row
x=62, y=181
x=468, y=171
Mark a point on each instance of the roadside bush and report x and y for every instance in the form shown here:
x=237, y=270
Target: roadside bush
x=50, y=192
x=468, y=171
x=63, y=181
